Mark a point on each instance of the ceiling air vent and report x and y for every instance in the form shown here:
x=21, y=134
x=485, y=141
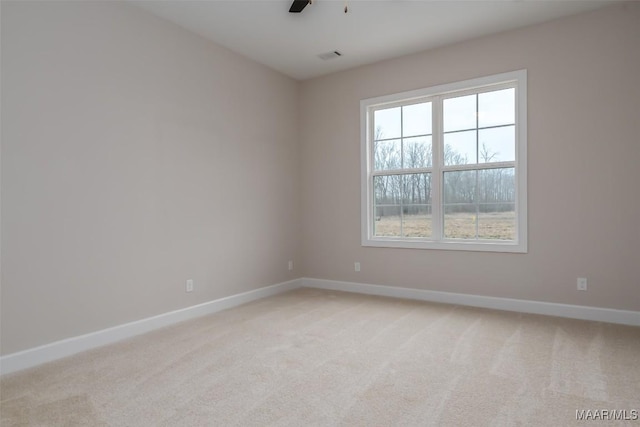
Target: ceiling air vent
x=329, y=55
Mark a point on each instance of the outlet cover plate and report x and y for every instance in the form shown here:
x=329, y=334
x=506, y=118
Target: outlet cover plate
x=582, y=283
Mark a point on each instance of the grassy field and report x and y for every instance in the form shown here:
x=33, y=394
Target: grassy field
x=500, y=225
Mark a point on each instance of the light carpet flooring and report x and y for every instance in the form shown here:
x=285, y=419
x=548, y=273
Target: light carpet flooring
x=320, y=358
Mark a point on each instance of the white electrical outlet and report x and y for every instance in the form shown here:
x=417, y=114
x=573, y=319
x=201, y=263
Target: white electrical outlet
x=582, y=283
x=189, y=287
x=290, y=265
x=356, y=266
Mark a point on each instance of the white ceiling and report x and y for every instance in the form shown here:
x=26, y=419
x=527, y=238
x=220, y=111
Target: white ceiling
x=265, y=31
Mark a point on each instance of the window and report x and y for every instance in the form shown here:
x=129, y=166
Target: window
x=445, y=167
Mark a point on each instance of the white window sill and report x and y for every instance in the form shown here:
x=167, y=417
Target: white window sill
x=449, y=245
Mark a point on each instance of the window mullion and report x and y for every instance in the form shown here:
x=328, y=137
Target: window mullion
x=479, y=166
x=476, y=197
x=437, y=145
x=371, y=192
x=383, y=172
x=402, y=177
x=477, y=202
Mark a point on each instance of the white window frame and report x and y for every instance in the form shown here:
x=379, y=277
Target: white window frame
x=516, y=79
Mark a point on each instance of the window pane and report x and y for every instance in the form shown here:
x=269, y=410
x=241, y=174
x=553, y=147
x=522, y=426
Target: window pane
x=387, y=221
x=460, y=187
x=416, y=221
x=417, y=152
x=460, y=221
x=416, y=119
x=497, y=221
x=387, y=123
x=460, y=148
x=497, y=186
x=386, y=155
x=416, y=189
x=497, y=108
x=459, y=113
x=388, y=189
x=497, y=144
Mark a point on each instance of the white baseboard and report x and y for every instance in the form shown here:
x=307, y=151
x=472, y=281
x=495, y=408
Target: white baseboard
x=49, y=352
x=609, y=315
x=59, y=349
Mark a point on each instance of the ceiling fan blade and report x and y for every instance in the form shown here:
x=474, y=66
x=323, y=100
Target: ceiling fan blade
x=298, y=5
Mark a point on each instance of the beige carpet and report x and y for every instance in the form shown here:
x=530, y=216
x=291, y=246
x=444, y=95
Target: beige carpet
x=313, y=357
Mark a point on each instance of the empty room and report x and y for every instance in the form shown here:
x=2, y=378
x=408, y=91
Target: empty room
x=292, y=213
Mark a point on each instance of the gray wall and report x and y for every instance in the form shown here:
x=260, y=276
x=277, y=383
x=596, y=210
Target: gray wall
x=584, y=157
x=135, y=156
